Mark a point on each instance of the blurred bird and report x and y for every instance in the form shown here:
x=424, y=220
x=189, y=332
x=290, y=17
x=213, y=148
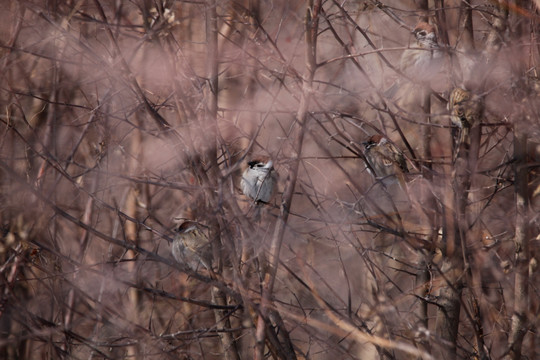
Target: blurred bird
x=191, y=245
x=259, y=180
x=417, y=62
x=421, y=62
x=385, y=160
x=465, y=111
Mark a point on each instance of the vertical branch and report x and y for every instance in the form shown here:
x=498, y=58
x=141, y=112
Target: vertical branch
x=423, y=5
x=426, y=134
x=422, y=275
x=521, y=290
x=84, y=240
x=311, y=30
x=448, y=315
x=456, y=227
x=440, y=14
x=9, y=278
x=422, y=286
x=132, y=235
x=470, y=235
x=212, y=59
x=467, y=109
x=467, y=36
x=209, y=180
x=222, y=318
x=448, y=302
x=473, y=233
x=228, y=343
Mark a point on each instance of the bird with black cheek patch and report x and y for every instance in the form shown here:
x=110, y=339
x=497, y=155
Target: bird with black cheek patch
x=386, y=162
x=420, y=63
x=259, y=180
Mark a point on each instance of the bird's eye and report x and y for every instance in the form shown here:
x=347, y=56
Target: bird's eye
x=422, y=33
x=259, y=165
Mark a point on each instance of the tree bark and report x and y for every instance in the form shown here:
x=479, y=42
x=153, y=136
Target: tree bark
x=521, y=290
x=311, y=30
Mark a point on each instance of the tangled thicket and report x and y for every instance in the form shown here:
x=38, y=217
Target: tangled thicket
x=119, y=118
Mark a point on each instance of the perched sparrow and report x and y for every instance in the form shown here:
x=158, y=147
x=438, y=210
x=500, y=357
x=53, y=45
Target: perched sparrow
x=421, y=62
x=259, y=180
x=465, y=108
x=191, y=245
x=384, y=158
x=417, y=62
x=465, y=111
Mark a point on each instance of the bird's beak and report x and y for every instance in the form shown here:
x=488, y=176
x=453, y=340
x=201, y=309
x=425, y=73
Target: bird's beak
x=269, y=164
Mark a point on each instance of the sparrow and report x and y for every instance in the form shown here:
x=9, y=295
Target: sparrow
x=421, y=62
x=417, y=62
x=465, y=111
x=259, y=180
x=385, y=160
x=191, y=245
x=465, y=108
